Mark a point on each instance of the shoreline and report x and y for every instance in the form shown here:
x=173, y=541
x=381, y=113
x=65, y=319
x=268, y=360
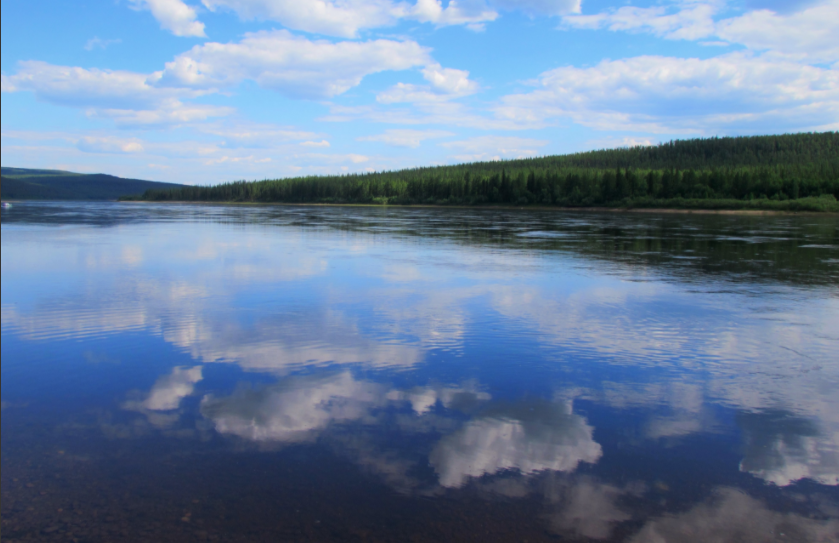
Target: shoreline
x=697, y=211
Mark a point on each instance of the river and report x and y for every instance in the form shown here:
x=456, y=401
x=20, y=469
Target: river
x=292, y=373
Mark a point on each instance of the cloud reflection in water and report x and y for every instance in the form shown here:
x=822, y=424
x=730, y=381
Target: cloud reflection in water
x=550, y=437
x=294, y=410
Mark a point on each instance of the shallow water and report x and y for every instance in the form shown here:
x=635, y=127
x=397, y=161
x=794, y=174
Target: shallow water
x=223, y=373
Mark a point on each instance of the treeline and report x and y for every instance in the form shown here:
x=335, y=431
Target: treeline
x=743, y=171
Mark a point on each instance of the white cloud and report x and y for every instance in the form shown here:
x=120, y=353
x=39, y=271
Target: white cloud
x=346, y=18
x=98, y=43
x=81, y=87
x=290, y=64
x=174, y=16
x=294, y=410
x=691, y=21
x=584, y=507
x=550, y=438
x=449, y=80
x=406, y=137
x=91, y=144
x=166, y=396
x=731, y=515
x=168, y=391
x=535, y=8
x=129, y=98
x=737, y=91
x=446, y=84
x=333, y=18
x=782, y=448
x=809, y=35
x=465, y=12
x=322, y=143
x=169, y=113
x=423, y=399
x=6, y=84
x=494, y=147
x=409, y=93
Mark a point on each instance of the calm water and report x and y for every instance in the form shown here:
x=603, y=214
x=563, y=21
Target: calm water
x=249, y=374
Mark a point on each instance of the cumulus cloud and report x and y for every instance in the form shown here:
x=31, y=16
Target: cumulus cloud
x=289, y=64
x=333, y=18
x=345, y=18
x=446, y=84
x=455, y=13
x=423, y=399
x=294, y=410
x=166, y=396
x=808, y=35
x=129, y=98
x=474, y=13
x=731, y=515
x=584, y=507
x=550, y=437
x=80, y=87
x=174, y=16
x=782, y=448
x=276, y=60
x=177, y=311
x=168, y=391
x=449, y=81
x=737, y=91
x=689, y=21
x=406, y=137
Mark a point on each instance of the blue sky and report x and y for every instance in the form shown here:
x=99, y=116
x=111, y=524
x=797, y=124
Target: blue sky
x=204, y=91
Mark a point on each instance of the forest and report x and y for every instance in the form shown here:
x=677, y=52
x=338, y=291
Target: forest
x=783, y=172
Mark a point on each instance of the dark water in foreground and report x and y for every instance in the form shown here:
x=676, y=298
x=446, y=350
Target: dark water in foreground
x=248, y=374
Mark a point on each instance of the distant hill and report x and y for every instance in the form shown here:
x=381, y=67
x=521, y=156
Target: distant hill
x=794, y=172
x=27, y=184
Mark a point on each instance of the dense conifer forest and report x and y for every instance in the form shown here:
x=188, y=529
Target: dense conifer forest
x=792, y=172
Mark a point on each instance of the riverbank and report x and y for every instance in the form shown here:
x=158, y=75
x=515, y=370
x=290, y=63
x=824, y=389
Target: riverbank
x=594, y=209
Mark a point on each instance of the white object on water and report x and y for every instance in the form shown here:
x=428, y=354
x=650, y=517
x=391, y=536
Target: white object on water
x=6, y=205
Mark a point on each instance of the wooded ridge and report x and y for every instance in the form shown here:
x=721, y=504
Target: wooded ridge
x=794, y=172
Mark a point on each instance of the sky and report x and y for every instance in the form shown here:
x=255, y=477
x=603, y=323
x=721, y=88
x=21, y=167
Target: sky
x=209, y=91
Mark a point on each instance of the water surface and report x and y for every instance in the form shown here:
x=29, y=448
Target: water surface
x=223, y=373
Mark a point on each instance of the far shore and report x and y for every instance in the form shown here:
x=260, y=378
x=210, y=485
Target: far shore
x=698, y=211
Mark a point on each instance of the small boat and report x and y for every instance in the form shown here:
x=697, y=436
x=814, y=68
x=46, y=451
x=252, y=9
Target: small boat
x=6, y=205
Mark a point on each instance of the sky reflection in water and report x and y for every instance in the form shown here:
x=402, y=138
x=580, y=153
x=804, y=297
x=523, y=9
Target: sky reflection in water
x=635, y=378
